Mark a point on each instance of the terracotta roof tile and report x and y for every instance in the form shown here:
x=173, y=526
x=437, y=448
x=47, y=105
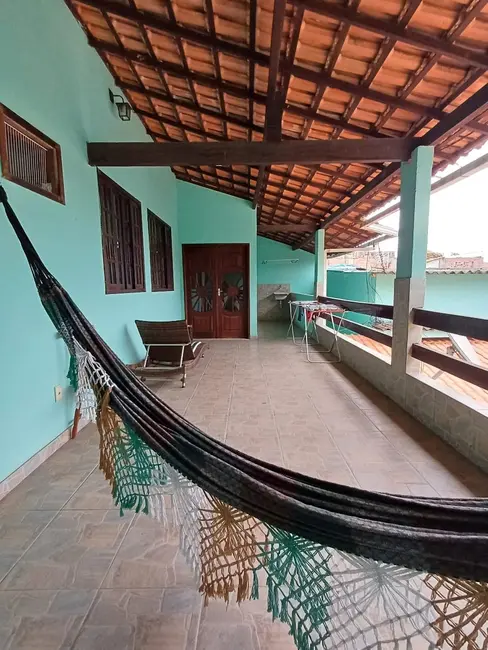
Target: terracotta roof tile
x=195, y=70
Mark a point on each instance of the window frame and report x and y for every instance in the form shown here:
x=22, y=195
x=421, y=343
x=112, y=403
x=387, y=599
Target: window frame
x=163, y=267
x=9, y=117
x=127, y=217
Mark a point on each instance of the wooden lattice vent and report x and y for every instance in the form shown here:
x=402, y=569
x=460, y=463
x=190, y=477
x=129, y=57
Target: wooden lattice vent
x=29, y=158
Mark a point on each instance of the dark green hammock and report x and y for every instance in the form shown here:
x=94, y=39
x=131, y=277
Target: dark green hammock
x=440, y=536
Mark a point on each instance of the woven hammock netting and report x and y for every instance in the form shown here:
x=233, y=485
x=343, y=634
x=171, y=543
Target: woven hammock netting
x=344, y=568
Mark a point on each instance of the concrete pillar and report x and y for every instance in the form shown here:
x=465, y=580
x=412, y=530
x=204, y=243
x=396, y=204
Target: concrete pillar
x=412, y=255
x=319, y=263
x=326, y=263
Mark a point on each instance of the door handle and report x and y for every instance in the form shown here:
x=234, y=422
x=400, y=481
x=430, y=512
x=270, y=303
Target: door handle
x=218, y=292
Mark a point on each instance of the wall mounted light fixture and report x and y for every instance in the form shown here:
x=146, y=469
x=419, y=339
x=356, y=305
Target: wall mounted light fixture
x=124, y=109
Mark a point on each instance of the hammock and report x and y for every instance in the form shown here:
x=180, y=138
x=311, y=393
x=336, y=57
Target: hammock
x=343, y=567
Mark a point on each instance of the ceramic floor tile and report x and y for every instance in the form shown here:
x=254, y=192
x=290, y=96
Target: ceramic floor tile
x=149, y=558
x=51, y=485
x=93, y=494
x=18, y=530
x=73, y=552
x=42, y=620
x=146, y=619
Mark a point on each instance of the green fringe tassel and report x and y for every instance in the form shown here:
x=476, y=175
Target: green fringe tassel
x=137, y=469
x=298, y=586
x=255, y=586
x=73, y=372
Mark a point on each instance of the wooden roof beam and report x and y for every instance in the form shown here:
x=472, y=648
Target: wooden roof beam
x=274, y=105
x=242, y=92
x=278, y=185
x=326, y=79
x=414, y=37
x=155, y=154
x=271, y=183
x=156, y=21
x=231, y=119
x=313, y=76
x=461, y=115
x=305, y=113
x=172, y=28
x=465, y=16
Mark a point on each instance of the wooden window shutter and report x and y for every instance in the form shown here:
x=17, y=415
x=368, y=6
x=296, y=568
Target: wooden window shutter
x=138, y=247
x=161, y=253
x=122, y=238
x=168, y=258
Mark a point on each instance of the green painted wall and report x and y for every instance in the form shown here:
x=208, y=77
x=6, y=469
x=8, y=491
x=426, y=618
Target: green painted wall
x=466, y=295
x=55, y=81
x=299, y=276
x=208, y=217
x=357, y=285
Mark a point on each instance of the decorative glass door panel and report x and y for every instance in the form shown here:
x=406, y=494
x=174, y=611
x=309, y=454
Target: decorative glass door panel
x=232, y=291
x=200, y=289
x=216, y=287
x=201, y=292
x=233, y=288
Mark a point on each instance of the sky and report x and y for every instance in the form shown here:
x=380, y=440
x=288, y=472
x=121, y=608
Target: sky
x=458, y=221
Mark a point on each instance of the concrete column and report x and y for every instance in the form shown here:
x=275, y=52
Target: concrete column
x=326, y=263
x=319, y=263
x=412, y=255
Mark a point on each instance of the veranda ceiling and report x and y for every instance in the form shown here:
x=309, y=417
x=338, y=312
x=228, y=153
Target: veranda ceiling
x=203, y=70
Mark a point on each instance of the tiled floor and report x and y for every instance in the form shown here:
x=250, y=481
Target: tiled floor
x=74, y=575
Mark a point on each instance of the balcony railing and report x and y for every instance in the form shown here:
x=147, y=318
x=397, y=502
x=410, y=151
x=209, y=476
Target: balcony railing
x=474, y=328
x=365, y=308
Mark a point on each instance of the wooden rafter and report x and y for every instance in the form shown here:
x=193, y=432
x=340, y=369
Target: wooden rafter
x=414, y=37
x=319, y=93
x=323, y=79
x=274, y=105
x=471, y=107
x=463, y=21
x=199, y=76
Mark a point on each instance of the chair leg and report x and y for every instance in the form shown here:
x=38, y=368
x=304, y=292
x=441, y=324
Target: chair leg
x=183, y=378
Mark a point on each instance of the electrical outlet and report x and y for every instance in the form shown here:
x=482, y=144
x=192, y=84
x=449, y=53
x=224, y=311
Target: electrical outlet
x=58, y=393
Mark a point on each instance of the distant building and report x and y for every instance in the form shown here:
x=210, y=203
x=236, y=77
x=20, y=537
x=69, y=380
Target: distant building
x=457, y=262
x=385, y=262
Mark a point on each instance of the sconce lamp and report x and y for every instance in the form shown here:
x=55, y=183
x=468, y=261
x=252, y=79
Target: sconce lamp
x=123, y=108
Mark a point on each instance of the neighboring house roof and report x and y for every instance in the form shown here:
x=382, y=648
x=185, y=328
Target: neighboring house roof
x=440, y=272
x=457, y=271
x=440, y=345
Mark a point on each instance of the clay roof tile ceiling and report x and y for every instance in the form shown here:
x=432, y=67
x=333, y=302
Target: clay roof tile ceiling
x=210, y=70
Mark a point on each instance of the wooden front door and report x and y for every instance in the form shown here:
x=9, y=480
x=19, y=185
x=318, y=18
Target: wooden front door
x=217, y=289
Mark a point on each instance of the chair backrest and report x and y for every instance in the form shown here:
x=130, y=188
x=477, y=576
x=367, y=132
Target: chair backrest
x=152, y=332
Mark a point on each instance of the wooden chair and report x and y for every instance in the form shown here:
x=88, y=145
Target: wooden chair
x=169, y=348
